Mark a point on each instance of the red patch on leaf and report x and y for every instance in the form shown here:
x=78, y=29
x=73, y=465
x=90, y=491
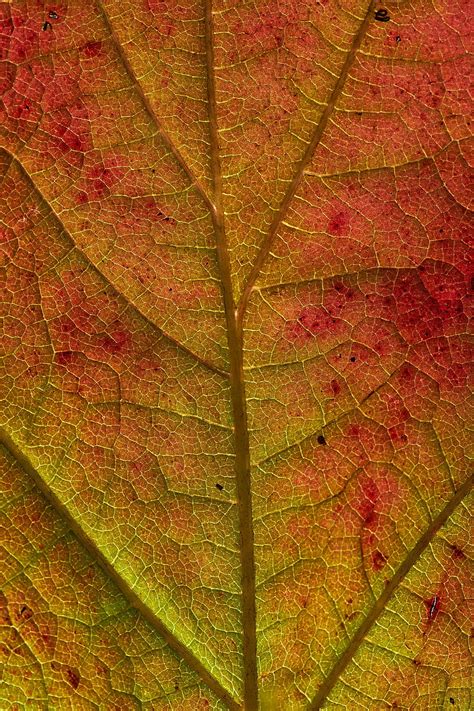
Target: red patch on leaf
x=378, y=560
x=366, y=506
x=312, y=321
x=91, y=49
x=102, y=177
x=116, y=342
x=339, y=223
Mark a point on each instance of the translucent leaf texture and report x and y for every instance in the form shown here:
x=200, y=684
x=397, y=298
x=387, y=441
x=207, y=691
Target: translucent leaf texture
x=235, y=355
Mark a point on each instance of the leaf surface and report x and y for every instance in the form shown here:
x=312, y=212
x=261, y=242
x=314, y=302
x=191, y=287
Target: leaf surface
x=235, y=355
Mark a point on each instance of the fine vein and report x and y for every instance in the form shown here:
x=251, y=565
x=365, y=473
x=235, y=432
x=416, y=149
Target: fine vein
x=308, y=154
x=132, y=598
x=371, y=618
x=241, y=436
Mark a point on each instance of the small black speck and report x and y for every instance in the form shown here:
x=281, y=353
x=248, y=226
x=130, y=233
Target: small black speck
x=170, y=289
x=382, y=15
x=398, y=39
x=358, y=113
x=47, y=26
x=321, y=439
x=451, y=700
x=353, y=359
x=53, y=14
x=220, y=487
x=176, y=687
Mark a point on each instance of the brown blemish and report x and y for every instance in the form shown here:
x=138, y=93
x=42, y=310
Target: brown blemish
x=72, y=677
x=433, y=608
x=458, y=554
x=26, y=612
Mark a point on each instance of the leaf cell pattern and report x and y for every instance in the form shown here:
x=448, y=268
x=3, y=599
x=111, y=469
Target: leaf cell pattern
x=236, y=354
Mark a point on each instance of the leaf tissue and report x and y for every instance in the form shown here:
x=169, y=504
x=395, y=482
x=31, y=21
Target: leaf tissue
x=235, y=355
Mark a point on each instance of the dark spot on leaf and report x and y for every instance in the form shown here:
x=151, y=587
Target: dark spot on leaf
x=321, y=440
x=72, y=677
x=398, y=39
x=416, y=662
x=432, y=606
x=220, y=487
x=53, y=15
x=335, y=387
x=26, y=612
x=353, y=359
x=176, y=687
x=47, y=26
x=451, y=700
x=382, y=15
x=458, y=554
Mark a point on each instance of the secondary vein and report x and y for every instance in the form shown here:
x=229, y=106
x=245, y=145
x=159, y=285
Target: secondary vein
x=308, y=154
x=149, y=109
x=371, y=618
x=130, y=595
x=67, y=235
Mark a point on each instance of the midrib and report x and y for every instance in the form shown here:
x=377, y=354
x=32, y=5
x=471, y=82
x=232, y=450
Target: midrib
x=241, y=436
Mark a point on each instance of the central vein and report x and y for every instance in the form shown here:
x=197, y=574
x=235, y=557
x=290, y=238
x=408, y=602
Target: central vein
x=241, y=436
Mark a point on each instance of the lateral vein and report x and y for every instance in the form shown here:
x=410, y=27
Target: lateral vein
x=308, y=154
x=132, y=598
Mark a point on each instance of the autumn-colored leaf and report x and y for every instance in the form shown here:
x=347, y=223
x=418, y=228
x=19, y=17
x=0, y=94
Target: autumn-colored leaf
x=236, y=355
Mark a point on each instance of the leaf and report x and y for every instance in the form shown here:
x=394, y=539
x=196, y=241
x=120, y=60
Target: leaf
x=235, y=355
